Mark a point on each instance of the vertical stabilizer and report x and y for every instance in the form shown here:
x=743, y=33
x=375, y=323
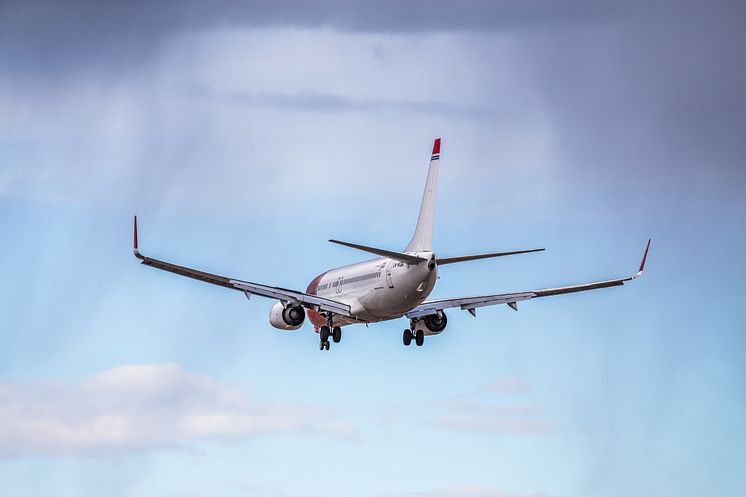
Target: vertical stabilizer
x=423, y=233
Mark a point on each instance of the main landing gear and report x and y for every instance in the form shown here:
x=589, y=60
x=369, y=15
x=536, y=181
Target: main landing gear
x=335, y=332
x=418, y=336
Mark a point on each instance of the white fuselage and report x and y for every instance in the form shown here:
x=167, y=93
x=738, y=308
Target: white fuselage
x=375, y=290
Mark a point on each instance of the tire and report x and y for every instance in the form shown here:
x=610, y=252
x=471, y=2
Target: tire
x=324, y=333
x=419, y=338
x=327, y=345
x=407, y=338
x=336, y=334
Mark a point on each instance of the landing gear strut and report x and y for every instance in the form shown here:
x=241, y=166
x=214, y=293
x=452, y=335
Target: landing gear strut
x=335, y=332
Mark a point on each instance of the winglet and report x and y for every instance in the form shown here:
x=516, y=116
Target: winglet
x=436, y=150
x=644, y=257
x=134, y=248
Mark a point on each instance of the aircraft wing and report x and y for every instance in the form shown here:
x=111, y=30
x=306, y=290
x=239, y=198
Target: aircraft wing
x=471, y=303
x=307, y=300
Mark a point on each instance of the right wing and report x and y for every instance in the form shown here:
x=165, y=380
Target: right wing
x=307, y=300
x=471, y=303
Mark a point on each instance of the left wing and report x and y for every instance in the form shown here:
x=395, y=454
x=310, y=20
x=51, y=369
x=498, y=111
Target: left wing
x=299, y=298
x=471, y=303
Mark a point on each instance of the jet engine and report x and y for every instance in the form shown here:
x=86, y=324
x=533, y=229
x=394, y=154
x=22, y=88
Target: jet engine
x=287, y=317
x=436, y=322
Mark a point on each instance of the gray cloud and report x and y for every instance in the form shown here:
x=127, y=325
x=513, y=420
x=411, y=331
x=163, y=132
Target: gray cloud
x=43, y=36
x=646, y=95
x=656, y=95
x=312, y=101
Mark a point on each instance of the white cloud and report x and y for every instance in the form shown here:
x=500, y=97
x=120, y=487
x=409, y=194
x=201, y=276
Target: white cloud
x=507, y=385
x=473, y=490
x=511, y=418
x=485, y=410
x=142, y=407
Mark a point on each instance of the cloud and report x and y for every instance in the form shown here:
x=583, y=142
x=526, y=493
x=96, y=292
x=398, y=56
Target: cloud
x=484, y=410
x=313, y=101
x=644, y=94
x=499, y=407
x=142, y=407
x=500, y=418
x=40, y=37
x=507, y=385
x=472, y=490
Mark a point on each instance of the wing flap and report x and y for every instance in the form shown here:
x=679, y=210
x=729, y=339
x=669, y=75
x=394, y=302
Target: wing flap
x=467, y=303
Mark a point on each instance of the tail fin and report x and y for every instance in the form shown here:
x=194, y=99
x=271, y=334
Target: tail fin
x=423, y=233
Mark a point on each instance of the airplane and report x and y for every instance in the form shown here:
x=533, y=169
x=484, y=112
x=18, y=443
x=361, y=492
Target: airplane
x=391, y=286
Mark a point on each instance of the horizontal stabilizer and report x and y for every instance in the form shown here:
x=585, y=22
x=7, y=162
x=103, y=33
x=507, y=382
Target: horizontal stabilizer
x=409, y=259
x=464, y=258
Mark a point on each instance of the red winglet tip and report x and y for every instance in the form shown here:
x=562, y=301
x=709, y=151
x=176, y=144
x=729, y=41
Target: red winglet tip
x=135, y=232
x=645, y=256
x=436, y=146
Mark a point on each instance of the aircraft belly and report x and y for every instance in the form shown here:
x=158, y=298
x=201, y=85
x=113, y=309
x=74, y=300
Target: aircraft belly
x=387, y=303
x=390, y=297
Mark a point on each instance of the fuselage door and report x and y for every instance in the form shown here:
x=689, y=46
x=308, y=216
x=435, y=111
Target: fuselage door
x=339, y=284
x=388, y=273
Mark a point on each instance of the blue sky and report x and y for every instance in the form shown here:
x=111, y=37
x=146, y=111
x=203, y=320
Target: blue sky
x=246, y=136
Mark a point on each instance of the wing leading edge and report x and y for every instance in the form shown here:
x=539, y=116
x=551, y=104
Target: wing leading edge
x=471, y=303
x=247, y=287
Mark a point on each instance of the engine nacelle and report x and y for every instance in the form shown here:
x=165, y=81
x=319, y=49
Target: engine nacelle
x=433, y=324
x=288, y=317
x=436, y=322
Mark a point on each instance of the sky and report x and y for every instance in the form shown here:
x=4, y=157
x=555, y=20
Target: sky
x=245, y=135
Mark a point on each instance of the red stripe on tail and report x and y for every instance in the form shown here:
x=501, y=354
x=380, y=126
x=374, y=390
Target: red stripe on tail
x=436, y=146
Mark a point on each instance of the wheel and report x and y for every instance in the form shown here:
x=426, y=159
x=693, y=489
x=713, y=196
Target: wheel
x=407, y=337
x=326, y=344
x=419, y=338
x=324, y=334
x=336, y=334
x=321, y=345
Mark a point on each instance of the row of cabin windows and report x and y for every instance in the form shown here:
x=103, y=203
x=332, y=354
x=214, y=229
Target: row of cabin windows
x=354, y=279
